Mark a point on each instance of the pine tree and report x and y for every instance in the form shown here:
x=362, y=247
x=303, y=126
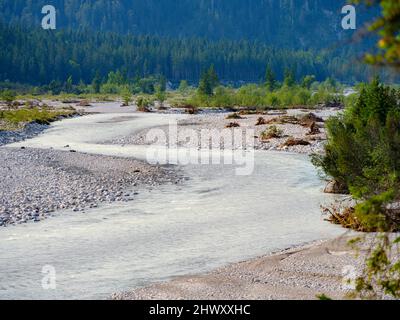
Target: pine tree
x=205, y=86
x=307, y=81
x=69, y=85
x=208, y=81
x=270, y=81
x=289, y=79
x=96, y=83
x=213, y=77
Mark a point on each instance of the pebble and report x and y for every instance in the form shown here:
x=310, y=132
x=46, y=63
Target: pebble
x=30, y=130
x=36, y=183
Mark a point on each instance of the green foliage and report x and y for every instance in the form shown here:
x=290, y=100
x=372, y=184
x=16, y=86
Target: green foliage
x=26, y=115
x=363, y=153
x=69, y=84
x=96, y=83
x=252, y=95
x=307, y=81
x=387, y=26
x=208, y=82
x=8, y=96
x=270, y=80
x=183, y=87
x=299, y=25
x=143, y=104
x=289, y=78
x=102, y=54
x=126, y=96
x=160, y=93
x=323, y=297
x=381, y=275
x=116, y=78
x=146, y=85
x=270, y=133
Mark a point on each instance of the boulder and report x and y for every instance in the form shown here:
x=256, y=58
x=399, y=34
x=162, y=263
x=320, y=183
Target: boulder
x=335, y=187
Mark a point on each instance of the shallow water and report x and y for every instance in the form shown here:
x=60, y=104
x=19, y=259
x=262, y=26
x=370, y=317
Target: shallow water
x=214, y=218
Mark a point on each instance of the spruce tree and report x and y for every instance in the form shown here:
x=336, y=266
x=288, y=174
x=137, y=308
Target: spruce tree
x=270, y=81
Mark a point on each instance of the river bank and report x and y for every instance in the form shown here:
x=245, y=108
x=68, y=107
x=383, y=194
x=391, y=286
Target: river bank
x=299, y=273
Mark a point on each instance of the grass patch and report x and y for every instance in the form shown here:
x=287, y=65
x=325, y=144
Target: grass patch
x=14, y=119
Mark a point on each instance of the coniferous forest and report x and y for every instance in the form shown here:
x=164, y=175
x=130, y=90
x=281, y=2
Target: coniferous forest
x=178, y=40
x=38, y=57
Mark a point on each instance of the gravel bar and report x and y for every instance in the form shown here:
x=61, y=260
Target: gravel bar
x=218, y=121
x=37, y=182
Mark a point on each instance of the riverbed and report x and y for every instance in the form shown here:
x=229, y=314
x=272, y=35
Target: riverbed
x=215, y=217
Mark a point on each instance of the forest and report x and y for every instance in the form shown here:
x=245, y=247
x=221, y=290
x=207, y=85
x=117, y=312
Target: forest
x=178, y=40
x=285, y=23
x=39, y=57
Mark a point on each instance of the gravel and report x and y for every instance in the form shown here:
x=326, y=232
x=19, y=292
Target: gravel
x=30, y=130
x=325, y=267
x=212, y=121
x=35, y=183
x=297, y=273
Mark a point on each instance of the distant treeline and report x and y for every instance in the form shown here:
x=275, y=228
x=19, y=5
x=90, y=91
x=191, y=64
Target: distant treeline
x=294, y=24
x=39, y=57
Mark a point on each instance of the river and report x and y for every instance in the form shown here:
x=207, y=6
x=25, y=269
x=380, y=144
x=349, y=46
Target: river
x=212, y=219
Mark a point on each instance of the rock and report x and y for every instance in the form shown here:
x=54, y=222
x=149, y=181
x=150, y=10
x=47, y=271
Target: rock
x=335, y=187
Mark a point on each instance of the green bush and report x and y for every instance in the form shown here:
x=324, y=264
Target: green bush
x=143, y=104
x=363, y=154
x=270, y=133
x=8, y=96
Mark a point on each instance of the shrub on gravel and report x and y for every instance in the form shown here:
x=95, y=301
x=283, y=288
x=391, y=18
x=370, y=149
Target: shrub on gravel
x=27, y=115
x=272, y=132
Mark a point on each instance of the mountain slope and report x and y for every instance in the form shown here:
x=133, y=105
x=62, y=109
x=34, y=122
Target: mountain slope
x=38, y=57
x=289, y=23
